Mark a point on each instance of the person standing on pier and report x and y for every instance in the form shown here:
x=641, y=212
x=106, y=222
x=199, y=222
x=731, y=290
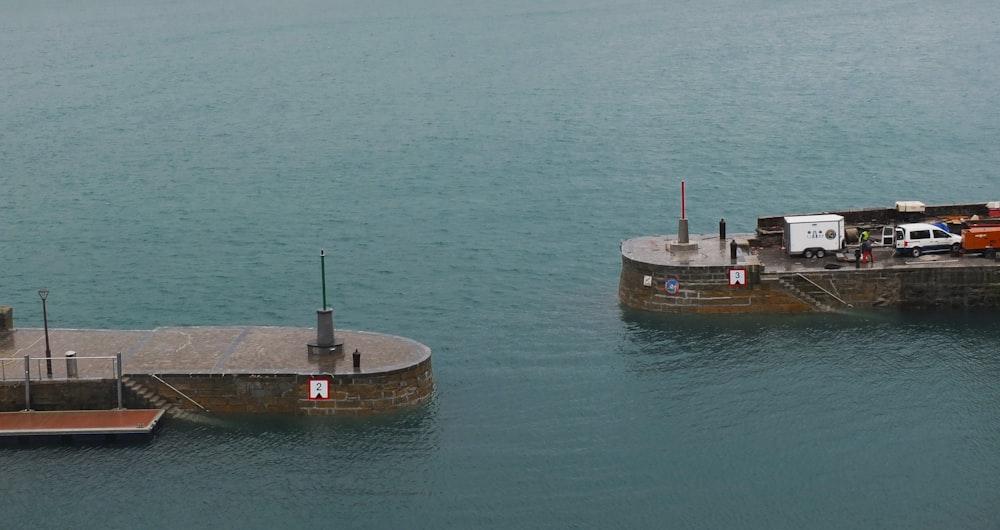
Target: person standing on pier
x=866, y=252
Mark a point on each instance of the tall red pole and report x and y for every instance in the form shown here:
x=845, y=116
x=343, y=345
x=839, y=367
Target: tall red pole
x=682, y=201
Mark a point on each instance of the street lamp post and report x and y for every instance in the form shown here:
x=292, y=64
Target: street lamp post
x=43, y=293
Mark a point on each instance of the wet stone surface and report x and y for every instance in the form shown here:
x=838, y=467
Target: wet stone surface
x=204, y=350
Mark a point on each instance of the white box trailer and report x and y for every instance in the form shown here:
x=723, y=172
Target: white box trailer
x=910, y=207
x=814, y=235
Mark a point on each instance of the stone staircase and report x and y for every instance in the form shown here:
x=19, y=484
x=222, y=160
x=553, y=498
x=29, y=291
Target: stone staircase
x=806, y=297
x=154, y=400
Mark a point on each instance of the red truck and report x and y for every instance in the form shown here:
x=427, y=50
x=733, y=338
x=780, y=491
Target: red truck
x=983, y=239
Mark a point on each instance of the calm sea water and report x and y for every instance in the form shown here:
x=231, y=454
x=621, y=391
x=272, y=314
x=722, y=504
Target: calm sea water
x=470, y=169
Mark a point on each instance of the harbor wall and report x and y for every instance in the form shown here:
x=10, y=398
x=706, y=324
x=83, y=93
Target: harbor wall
x=923, y=287
x=702, y=289
x=6, y=320
x=354, y=394
x=951, y=288
x=56, y=394
x=869, y=217
x=706, y=289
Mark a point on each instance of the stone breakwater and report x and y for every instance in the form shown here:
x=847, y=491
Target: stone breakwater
x=218, y=369
x=761, y=279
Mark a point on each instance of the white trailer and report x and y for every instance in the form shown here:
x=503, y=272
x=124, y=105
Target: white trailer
x=813, y=235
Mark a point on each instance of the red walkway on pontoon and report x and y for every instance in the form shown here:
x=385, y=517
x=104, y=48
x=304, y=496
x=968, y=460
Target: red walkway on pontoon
x=78, y=422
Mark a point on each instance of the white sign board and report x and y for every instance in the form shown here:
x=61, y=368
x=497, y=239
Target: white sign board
x=319, y=389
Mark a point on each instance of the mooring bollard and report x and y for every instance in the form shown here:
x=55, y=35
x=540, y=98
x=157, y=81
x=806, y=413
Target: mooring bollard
x=722, y=229
x=732, y=249
x=71, y=364
x=357, y=359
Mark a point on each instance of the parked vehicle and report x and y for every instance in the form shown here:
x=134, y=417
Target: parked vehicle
x=982, y=239
x=814, y=235
x=915, y=239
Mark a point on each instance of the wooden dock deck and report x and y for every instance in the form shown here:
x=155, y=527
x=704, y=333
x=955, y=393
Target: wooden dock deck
x=79, y=422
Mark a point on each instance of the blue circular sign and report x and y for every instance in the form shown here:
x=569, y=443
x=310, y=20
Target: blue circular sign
x=672, y=285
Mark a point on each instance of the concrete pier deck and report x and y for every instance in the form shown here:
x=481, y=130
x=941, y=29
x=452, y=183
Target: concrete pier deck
x=711, y=252
x=205, y=351
x=708, y=250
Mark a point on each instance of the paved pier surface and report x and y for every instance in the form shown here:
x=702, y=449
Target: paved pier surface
x=710, y=251
x=204, y=350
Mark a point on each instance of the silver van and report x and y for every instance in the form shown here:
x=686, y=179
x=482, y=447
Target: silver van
x=915, y=239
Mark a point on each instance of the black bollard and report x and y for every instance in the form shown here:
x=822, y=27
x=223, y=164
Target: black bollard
x=857, y=258
x=357, y=359
x=722, y=229
x=732, y=249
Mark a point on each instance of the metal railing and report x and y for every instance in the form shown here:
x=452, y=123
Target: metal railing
x=4, y=368
x=71, y=372
x=182, y=394
x=13, y=368
x=818, y=286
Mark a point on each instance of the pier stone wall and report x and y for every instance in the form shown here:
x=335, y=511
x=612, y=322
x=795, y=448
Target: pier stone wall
x=923, y=287
x=56, y=394
x=353, y=394
x=702, y=289
x=706, y=289
x=350, y=394
x=6, y=320
x=951, y=288
x=847, y=289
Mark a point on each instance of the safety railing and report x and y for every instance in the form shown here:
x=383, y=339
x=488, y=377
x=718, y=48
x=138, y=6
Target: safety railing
x=58, y=368
x=4, y=367
x=182, y=394
x=818, y=286
x=72, y=371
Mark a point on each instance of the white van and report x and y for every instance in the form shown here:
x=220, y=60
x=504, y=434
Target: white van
x=920, y=238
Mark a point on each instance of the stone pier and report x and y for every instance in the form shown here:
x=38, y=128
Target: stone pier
x=742, y=276
x=239, y=369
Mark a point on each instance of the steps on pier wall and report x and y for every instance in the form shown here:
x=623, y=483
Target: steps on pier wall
x=703, y=289
x=151, y=398
x=349, y=394
x=707, y=290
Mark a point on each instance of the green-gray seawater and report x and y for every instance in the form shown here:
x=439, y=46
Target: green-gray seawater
x=470, y=169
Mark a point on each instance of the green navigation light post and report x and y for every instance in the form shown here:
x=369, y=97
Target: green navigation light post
x=322, y=268
x=326, y=342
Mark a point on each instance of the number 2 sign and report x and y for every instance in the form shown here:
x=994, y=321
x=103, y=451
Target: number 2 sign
x=319, y=389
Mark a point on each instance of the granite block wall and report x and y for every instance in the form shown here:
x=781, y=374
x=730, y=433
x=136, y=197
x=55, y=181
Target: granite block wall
x=352, y=394
x=60, y=395
x=6, y=319
x=707, y=290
